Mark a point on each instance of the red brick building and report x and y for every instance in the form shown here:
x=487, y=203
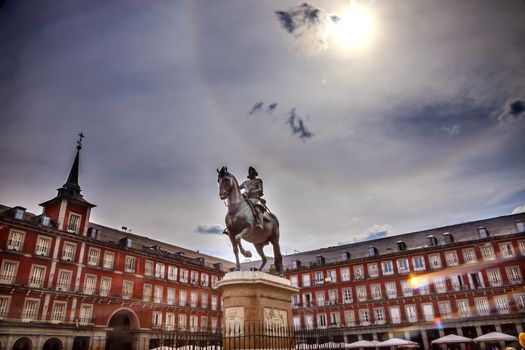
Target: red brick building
x=66, y=283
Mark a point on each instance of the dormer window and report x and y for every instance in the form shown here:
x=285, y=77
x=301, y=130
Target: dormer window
x=45, y=220
x=401, y=246
x=296, y=264
x=19, y=213
x=520, y=226
x=448, y=238
x=372, y=251
x=432, y=241
x=319, y=259
x=345, y=256
x=482, y=232
x=73, y=225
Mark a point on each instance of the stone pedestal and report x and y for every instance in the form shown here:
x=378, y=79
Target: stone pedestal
x=257, y=309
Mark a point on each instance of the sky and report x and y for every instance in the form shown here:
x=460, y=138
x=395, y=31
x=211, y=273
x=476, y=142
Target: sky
x=419, y=125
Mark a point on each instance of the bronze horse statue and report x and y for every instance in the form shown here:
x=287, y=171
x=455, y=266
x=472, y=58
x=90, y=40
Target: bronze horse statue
x=240, y=223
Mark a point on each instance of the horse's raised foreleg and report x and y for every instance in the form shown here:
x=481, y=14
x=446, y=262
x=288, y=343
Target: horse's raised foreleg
x=238, y=239
x=236, y=252
x=244, y=252
x=260, y=251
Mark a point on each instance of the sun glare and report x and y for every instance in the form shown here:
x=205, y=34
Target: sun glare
x=354, y=27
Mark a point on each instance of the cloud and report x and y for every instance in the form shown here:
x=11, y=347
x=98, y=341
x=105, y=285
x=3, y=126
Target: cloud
x=520, y=209
x=257, y=107
x=272, y=107
x=297, y=126
x=513, y=111
x=452, y=130
x=209, y=229
x=373, y=232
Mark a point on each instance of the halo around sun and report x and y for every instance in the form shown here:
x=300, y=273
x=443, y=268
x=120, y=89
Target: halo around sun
x=354, y=28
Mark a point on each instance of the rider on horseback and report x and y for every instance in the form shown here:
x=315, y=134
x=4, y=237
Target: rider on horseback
x=253, y=192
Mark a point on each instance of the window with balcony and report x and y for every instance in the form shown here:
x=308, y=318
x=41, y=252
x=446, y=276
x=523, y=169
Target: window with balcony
x=502, y=304
x=146, y=292
x=445, y=310
x=507, y=251
x=349, y=318
x=395, y=314
x=157, y=294
x=406, y=288
x=157, y=319
x=183, y=276
x=294, y=281
x=204, y=300
x=204, y=280
x=428, y=312
x=170, y=297
x=469, y=255
x=182, y=321
x=456, y=280
x=521, y=245
x=373, y=271
x=170, y=321
x=307, y=300
x=520, y=302
x=487, y=253
x=4, y=306
x=391, y=291
x=15, y=240
x=345, y=274
x=159, y=270
x=388, y=267
x=332, y=276
x=361, y=293
x=319, y=277
x=43, y=246
x=214, y=302
x=434, y=261
x=148, y=268
x=30, y=310
x=419, y=263
x=182, y=297
x=172, y=273
x=37, y=276
x=214, y=280
x=73, y=224
x=347, y=295
x=194, y=277
x=105, y=287
x=332, y=297
x=58, y=314
x=411, y=313
x=463, y=308
x=193, y=299
x=93, y=256
x=320, y=298
x=8, y=271
x=402, y=265
x=482, y=306
x=306, y=279
x=64, y=280
x=194, y=323
x=514, y=275
x=376, y=291
x=476, y=280
x=335, y=319
x=494, y=277
x=127, y=290
x=130, y=264
x=359, y=272
x=109, y=258
x=86, y=314
x=364, y=317
x=451, y=258
x=440, y=284
x=90, y=284
x=68, y=251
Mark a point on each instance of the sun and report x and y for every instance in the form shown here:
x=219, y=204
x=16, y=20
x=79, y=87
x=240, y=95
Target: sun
x=354, y=28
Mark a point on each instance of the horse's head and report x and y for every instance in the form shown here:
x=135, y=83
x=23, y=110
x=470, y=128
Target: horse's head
x=225, y=181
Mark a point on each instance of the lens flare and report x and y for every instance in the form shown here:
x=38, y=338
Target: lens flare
x=354, y=27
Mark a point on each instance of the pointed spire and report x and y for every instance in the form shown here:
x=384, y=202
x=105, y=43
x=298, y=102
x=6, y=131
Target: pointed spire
x=71, y=187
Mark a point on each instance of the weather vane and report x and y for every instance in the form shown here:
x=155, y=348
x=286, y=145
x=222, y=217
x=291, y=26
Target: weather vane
x=79, y=142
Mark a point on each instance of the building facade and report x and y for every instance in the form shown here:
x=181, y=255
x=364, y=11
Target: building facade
x=66, y=283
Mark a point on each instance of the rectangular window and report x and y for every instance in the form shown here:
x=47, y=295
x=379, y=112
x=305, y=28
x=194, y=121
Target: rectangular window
x=347, y=295
x=64, y=280
x=183, y=276
x=373, y=271
x=194, y=323
x=105, y=287
x=320, y=298
x=451, y=258
x=361, y=293
x=319, y=277
x=182, y=297
x=37, y=276
x=8, y=272
x=391, y=291
x=127, y=290
x=321, y=320
x=294, y=281
x=332, y=275
x=395, y=314
x=68, y=251
x=172, y=273
x=30, y=311
x=109, y=258
x=194, y=277
x=146, y=293
x=73, y=224
x=445, y=310
x=507, y=251
x=359, y=272
x=487, y=253
x=482, y=232
x=157, y=319
x=440, y=284
x=428, y=312
x=388, y=267
x=170, y=299
x=424, y=288
x=521, y=245
x=182, y=321
x=520, y=226
x=193, y=299
x=90, y=284
x=214, y=302
x=494, y=277
x=159, y=270
x=204, y=279
x=204, y=300
x=376, y=291
x=502, y=304
x=411, y=313
x=482, y=306
x=514, y=275
x=148, y=268
x=4, y=306
x=15, y=240
x=43, y=246
x=214, y=280
x=58, y=314
x=204, y=322
x=469, y=255
x=379, y=315
x=306, y=280
x=463, y=308
x=402, y=265
x=335, y=319
x=307, y=300
x=332, y=296
x=520, y=302
x=419, y=263
x=345, y=274
x=435, y=261
x=406, y=288
x=364, y=317
x=170, y=321
x=457, y=282
x=214, y=322
x=130, y=264
x=349, y=318
x=157, y=296
x=86, y=314
x=93, y=256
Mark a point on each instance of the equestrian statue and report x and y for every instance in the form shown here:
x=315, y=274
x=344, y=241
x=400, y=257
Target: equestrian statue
x=249, y=218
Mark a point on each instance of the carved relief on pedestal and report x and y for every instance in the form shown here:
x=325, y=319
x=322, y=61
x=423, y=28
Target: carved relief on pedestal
x=234, y=320
x=275, y=318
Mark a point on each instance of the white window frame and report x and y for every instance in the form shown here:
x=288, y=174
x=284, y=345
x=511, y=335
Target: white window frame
x=147, y=291
x=74, y=228
x=105, y=287
x=373, y=270
x=434, y=261
x=306, y=279
x=463, y=307
x=482, y=306
x=183, y=275
x=160, y=270
x=361, y=293
x=391, y=290
x=389, y=270
x=18, y=243
x=5, y=303
x=58, y=313
x=514, y=274
x=424, y=308
x=64, y=284
x=205, y=281
x=108, y=263
x=403, y=265
x=487, y=252
x=494, y=277
x=364, y=317
x=130, y=264
x=9, y=277
x=183, y=297
x=149, y=268
x=445, y=309
x=375, y=290
x=172, y=272
x=43, y=250
x=90, y=290
x=508, y=251
x=412, y=314
x=158, y=294
x=170, y=296
x=359, y=272
x=419, y=258
x=36, y=281
x=395, y=316
x=294, y=281
x=451, y=258
x=347, y=295
x=92, y=258
x=85, y=317
x=469, y=256
x=127, y=290
x=33, y=316
x=502, y=304
x=69, y=250
x=345, y=274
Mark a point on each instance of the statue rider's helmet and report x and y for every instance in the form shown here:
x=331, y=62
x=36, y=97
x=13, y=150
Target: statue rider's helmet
x=252, y=173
